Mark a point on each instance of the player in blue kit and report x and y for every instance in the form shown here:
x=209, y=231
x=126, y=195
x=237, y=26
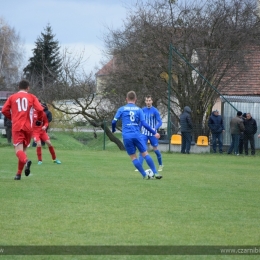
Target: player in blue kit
x=132, y=117
x=153, y=119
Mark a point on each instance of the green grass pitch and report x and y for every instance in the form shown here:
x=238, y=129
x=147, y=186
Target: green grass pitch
x=96, y=198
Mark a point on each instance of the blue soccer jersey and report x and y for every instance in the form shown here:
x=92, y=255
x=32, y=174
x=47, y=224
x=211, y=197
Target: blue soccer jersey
x=152, y=118
x=131, y=116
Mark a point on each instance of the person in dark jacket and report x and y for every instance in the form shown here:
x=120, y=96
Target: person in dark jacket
x=241, y=138
x=215, y=123
x=250, y=131
x=186, y=129
x=236, y=127
x=8, y=129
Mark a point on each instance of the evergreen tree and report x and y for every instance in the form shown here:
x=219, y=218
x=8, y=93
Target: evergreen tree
x=45, y=65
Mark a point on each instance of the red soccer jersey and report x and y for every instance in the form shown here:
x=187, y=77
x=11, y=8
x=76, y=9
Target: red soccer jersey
x=37, y=117
x=19, y=108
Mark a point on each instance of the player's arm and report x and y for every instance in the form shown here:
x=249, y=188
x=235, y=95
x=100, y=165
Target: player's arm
x=116, y=118
x=38, y=107
x=45, y=122
x=158, y=119
x=146, y=126
x=114, y=121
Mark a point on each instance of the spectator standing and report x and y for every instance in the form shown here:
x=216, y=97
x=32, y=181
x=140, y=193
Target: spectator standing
x=186, y=129
x=19, y=109
x=241, y=138
x=216, y=125
x=236, y=127
x=249, y=133
x=8, y=129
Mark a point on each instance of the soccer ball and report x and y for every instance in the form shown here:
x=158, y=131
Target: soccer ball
x=150, y=173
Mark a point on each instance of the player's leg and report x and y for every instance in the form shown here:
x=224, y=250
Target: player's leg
x=159, y=158
x=148, y=159
x=154, y=142
x=131, y=151
x=151, y=164
x=27, y=140
x=145, y=140
x=142, y=149
x=21, y=160
x=19, y=171
x=140, y=158
x=46, y=139
x=137, y=164
x=20, y=140
x=37, y=141
x=39, y=151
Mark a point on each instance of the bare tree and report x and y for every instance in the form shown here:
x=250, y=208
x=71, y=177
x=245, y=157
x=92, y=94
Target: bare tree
x=11, y=56
x=74, y=94
x=210, y=36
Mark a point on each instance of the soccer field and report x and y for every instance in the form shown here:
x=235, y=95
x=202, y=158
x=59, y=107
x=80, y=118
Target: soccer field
x=95, y=198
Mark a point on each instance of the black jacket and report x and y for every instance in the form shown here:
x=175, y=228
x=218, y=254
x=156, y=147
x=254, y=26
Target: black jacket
x=185, y=120
x=215, y=123
x=48, y=114
x=250, y=126
x=7, y=122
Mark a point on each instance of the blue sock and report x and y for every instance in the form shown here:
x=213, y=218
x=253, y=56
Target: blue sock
x=141, y=159
x=159, y=156
x=150, y=162
x=139, y=167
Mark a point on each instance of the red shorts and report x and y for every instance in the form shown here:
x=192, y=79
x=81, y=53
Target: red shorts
x=21, y=137
x=40, y=136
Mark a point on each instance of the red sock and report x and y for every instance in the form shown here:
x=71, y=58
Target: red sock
x=22, y=157
x=39, y=153
x=20, y=167
x=53, y=155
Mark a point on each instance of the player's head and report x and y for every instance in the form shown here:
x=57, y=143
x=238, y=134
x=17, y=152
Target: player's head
x=131, y=97
x=239, y=113
x=24, y=84
x=148, y=100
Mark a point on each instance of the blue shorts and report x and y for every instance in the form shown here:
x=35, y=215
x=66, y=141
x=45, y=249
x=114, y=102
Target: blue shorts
x=153, y=140
x=132, y=143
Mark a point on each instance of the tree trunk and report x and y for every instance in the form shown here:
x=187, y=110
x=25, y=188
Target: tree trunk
x=112, y=137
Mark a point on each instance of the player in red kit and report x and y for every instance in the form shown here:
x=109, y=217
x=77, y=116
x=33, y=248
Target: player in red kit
x=19, y=109
x=40, y=124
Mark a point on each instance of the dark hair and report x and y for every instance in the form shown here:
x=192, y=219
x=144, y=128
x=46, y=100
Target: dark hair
x=149, y=96
x=239, y=113
x=131, y=95
x=24, y=84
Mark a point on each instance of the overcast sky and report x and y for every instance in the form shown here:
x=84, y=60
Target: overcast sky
x=77, y=24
